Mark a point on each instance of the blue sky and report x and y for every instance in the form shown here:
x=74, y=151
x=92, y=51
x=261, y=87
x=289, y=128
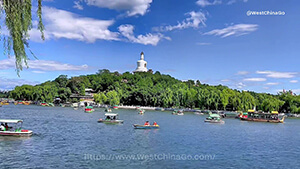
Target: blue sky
x=215, y=41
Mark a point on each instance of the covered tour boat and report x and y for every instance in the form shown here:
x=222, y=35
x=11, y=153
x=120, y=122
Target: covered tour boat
x=17, y=130
x=214, y=118
x=110, y=118
x=89, y=109
x=136, y=126
x=263, y=117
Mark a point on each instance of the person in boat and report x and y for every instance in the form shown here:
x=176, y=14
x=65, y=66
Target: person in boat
x=147, y=123
x=154, y=124
x=107, y=118
x=2, y=128
x=6, y=126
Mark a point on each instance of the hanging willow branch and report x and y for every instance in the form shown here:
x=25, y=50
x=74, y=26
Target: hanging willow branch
x=18, y=20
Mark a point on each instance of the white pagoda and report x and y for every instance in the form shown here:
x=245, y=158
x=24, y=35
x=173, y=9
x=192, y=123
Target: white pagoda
x=141, y=65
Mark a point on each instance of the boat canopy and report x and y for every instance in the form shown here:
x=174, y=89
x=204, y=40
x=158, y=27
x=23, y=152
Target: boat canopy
x=214, y=115
x=111, y=114
x=251, y=111
x=89, y=107
x=274, y=112
x=10, y=121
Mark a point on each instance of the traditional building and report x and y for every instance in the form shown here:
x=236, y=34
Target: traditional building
x=141, y=65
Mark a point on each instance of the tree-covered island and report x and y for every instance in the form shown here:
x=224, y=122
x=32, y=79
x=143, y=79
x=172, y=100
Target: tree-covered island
x=148, y=89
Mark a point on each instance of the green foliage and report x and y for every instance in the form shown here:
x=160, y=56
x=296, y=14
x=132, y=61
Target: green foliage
x=18, y=21
x=147, y=89
x=4, y=94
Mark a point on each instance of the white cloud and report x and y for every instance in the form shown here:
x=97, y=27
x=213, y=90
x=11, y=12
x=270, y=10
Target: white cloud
x=132, y=7
x=237, y=30
x=297, y=91
x=231, y=2
x=9, y=84
x=294, y=81
x=272, y=83
x=225, y=80
x=148, y=39
x=43, y=65
x=194, y=20
x=203, y=43
x=255, y=79
x=77, y=5
x=204, y=3
x=234, y=1
x=242, y=73
x=37, y=71
x=274, y=74
x=64, y=24
x=240, y=85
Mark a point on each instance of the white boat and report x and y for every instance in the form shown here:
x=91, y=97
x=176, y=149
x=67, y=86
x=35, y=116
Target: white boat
x=178, y=112
x=110, y=118
x=214, y=118
x=16, y=130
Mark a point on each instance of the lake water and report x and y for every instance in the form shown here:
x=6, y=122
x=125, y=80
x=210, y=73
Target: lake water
x=67, y=138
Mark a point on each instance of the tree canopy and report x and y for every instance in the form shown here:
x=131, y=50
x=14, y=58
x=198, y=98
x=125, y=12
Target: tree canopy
x=147, y=89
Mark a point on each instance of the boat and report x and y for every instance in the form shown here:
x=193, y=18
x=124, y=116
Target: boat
x=26, y=103
x=110, y=118
x=214, y=118
x=108, y=110
x=75, y=105
x=244, y=114
x=89, y=109
x=44, y=104
x=198, y=112
x=5, y=103
x=229, y=114
x=115, y=107
x=141, y=111
x=136, y=126
x=50, y=104
x=263, y=117
x=178, y=112
x=159, y=109
x=15, y=131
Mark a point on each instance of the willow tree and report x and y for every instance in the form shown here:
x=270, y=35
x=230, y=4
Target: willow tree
x=18, y=20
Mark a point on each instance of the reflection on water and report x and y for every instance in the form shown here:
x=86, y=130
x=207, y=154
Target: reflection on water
x=63, y=137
